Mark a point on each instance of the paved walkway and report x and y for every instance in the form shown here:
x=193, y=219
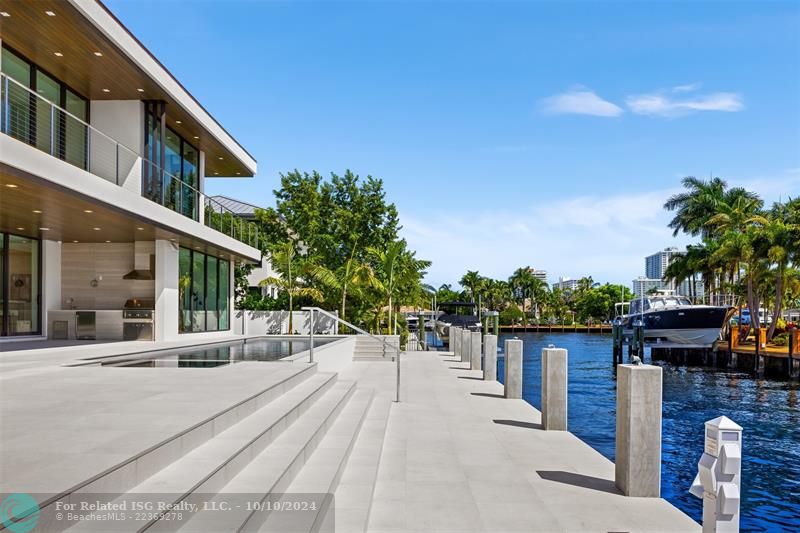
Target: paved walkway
x=457, y=456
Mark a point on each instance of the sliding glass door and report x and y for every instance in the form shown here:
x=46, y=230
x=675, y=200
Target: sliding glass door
x=20, y=274
x=204, y=292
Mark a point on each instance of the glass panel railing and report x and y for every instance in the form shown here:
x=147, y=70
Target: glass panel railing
x=34, y=120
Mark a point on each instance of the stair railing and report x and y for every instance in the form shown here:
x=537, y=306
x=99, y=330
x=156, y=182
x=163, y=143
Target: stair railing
x=396, y=349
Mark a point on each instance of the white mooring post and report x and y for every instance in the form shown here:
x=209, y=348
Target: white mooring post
x=637, y=470
x=490, y=358
x=513, y=369
x=554, y=389
x=475, y=350
x=719, y=475
x=465, y=345
x=455, y=340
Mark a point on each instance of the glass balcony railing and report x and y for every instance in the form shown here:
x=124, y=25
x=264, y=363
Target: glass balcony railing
x=26, y=116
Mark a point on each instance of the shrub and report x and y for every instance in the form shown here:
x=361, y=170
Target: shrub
x=511, y=315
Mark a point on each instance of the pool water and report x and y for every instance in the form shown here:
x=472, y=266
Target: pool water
x=768, y=410
x=217, y=354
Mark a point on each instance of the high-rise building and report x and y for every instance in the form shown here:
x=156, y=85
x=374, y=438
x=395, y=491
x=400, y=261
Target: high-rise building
x=655, y=267
x=644, y=286
x=539, y=274
x=566, y=284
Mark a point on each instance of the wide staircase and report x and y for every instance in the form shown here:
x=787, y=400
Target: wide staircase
x=372, y=348
x=289, y=446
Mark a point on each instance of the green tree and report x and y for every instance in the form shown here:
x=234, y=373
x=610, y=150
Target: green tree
x=473, y=282
x=353, y=276
x=520, y=282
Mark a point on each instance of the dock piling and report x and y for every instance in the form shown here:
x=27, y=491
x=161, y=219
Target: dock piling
x=490, y=358
x=554, y=389
x=513, y=369
x=637, y=471
x=475, y=350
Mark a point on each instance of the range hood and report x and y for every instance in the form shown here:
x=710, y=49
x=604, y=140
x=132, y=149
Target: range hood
x=144, y=262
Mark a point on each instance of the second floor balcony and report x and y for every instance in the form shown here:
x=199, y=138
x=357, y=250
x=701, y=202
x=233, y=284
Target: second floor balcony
x=38, y=122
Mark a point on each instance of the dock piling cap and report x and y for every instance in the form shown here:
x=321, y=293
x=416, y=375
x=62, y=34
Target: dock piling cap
x=723, y=422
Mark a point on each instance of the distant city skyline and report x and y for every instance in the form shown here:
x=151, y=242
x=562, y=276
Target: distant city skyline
x=508, y=134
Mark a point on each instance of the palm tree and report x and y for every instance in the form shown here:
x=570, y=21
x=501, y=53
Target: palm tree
x=388, y=261
x=351, y=275
x=695, y=206
x=283, y=260
x=473, y=282
x=520, y=282
x=780, y=243
x=537, y=289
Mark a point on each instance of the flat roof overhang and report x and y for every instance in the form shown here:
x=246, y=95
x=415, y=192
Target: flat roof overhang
x=81, y=28
x=40, y=191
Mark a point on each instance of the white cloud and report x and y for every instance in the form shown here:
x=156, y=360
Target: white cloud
x=661, y=103
x=604, y=237
x=688, y=88
x=580, y=102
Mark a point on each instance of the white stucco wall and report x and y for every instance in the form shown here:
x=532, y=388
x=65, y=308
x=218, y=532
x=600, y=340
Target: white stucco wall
x=166, y=326
x=122, y=121
x=51, y=280
x=277, y=323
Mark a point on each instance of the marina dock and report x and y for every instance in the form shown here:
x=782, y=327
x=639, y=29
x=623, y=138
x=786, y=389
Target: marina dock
x=453, y=455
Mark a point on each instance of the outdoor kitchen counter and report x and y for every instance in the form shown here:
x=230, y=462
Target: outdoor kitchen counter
x=108, y=322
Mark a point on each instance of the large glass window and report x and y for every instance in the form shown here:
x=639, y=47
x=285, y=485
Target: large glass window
x=171, y=170
x=204, y=292
x=41, y=121
x=20, y=298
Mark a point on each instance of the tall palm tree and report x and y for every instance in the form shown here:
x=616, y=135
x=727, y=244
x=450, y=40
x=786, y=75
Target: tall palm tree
x=694, y=206
x=290, y=280
x=473, y=282
x=537, y=289
x=388, y=262
x=520, y=282
x=781, y=245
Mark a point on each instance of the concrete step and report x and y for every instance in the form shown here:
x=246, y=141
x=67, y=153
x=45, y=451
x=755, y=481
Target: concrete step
x=353, y=496
x=207, y=467
x=322, y=472
x=139, y=467
x=269, y=473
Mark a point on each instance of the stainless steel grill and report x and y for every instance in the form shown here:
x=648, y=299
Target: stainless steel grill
x=138, y=320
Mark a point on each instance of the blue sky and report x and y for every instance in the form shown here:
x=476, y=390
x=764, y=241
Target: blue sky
x=507, y=133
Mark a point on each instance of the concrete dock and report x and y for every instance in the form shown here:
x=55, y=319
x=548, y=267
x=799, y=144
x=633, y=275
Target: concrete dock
x=458, y=456
x=453, y=455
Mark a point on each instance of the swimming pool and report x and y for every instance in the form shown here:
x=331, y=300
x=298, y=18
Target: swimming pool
x=259, y=349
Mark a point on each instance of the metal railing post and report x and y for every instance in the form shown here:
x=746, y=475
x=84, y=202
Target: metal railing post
x=52, y=130
x=397, y=385
x=311, y=336
x=6, y=107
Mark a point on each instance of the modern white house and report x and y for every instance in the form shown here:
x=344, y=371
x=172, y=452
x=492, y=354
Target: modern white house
x=105, y=230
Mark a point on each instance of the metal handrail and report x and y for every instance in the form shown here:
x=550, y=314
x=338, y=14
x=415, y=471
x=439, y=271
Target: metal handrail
x=93, y=133
x=312, y=310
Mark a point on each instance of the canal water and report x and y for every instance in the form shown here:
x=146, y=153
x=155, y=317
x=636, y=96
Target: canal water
x=768, y=410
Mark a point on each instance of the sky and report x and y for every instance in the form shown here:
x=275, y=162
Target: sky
x=508, y=134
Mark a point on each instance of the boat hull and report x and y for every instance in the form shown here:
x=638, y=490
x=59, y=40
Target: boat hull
x=697, y=325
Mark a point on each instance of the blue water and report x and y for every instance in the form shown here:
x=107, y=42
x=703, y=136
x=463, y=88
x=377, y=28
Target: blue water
x=767, y=409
